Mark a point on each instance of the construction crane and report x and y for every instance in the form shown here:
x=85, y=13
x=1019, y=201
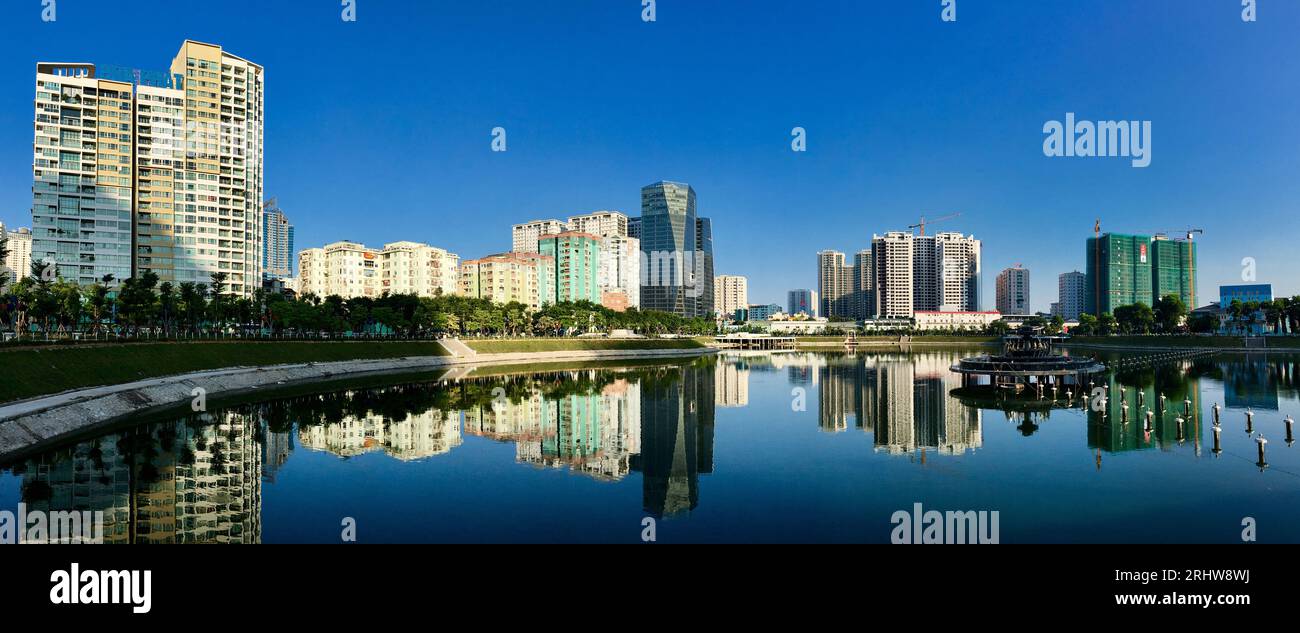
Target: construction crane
x=934, y=221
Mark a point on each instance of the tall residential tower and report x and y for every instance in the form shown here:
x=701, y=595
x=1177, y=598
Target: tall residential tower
x=157, y=171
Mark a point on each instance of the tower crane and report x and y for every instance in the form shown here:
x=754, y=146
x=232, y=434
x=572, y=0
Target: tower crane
x=924, y=222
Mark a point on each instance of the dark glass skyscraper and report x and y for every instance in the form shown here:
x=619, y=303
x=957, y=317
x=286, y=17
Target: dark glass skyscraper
x=677, y=252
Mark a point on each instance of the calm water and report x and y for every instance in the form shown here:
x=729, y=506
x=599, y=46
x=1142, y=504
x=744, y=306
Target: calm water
x=785, y=447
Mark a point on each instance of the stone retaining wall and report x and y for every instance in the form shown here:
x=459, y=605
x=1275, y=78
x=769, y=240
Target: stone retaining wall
x=32, y=424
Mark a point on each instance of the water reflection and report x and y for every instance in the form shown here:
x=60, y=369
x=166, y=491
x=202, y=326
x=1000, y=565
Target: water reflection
x=200, y=479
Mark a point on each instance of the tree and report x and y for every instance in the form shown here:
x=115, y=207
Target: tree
x=999, y=328
x=1170, y=312
x=1056, y=325
x=1106, y=324
x=1087, y=325
x=1137, y=318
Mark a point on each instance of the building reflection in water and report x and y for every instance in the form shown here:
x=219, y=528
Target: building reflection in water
x=900, y=398
x=199, y=479
x=191, y=481
x=1174, y=422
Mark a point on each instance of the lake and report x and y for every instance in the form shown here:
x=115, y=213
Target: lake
x=782, y=447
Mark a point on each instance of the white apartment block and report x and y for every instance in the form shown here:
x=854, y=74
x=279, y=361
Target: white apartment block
x=1013, y=291
x=730, y=293
x=524, y=237
x=346, y=269
x=351, y=269
x=975, y=321
x=18, y=264
x=892, y=256
x=958, y=258
x=619, y=267
x=1073, y=293
x=417, y=269
x=602, y=223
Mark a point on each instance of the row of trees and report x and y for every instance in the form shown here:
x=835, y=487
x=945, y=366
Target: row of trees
x=39, y=304
x=1168, y=316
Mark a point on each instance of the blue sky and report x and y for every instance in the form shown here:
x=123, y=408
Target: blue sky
x=380, y=130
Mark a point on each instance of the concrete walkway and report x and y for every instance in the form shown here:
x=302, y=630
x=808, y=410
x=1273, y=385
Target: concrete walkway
x=27, y=425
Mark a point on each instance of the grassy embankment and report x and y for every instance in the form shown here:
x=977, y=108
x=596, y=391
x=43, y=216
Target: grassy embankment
x=515, y=346
x=31, y=372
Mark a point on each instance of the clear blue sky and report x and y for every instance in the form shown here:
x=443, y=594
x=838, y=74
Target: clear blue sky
x=379, y=130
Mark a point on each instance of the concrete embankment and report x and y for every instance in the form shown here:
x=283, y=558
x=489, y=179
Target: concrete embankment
x=32, y=424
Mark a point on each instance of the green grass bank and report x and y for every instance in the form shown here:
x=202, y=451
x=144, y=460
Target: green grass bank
x=30, y=372
x=1185, y=342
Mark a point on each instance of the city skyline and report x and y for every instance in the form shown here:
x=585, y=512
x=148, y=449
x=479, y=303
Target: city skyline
x=870, y=165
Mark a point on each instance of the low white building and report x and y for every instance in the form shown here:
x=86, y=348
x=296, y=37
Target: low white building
x=935, y=320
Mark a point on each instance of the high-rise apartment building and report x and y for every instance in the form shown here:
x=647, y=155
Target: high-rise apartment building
x=835, y=285
x=577, y=266
x=524, y=237
x=277, y=242
x=945, y=272
x=1072, y=295
x=18, y=263
x=864, y=302
x=1127, y=269
x=802, y=301
x=139, y=171
x=1173, y=269
x=892, y=282
x=936, y=273
x=601, y=223
x=507, y=277
x=704, y=267
x=619, y=276
x=1013, y=291
x=677, y=260
x=731, y=292
x=417, y=269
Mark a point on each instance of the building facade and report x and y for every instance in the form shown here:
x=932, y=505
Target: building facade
x=277, y=242
x=577, y=266
x=970, y=321
x=507, y=277
x=731, y=292
x=802, y=302
x=835, y=286
x=619, y=276
x=140, y=171
x=1173, y=269
x=525, y=237
x=892, y=282
x=1013, y=291
x=1249, y=293
x=1072, y=295
x=417, y=269
x=677, y=261
x=600, y=223
x=345, y=269
x=1127, y=269
x=18, y=263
